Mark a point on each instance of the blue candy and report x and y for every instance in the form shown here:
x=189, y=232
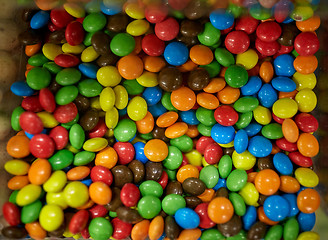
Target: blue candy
x=252, y=86
x=123, y=111
x=283, y=84
x=267, y=95
x=139, y=151
x=222, y=134
x=284, y=65
x=306, y=221
x=39, y=20
x=259, y=146
x=283, y=164
x=89, y=70
x=157, y=110
x=250, y=217
x=187, y=218
x=292, y=200
x=176, y=53
x=111, y=7
x=189, y=117
x=241, y=141
x=276, y=208
x=152, y=95
x=221, y=19
x=29, y=135
x=21, y=89
x=87, y=182
x=253, y=129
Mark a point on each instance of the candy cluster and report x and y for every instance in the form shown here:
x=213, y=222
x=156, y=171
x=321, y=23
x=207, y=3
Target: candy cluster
x=168, y=120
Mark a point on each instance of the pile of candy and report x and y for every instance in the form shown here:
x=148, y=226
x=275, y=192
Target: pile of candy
x=184, y=119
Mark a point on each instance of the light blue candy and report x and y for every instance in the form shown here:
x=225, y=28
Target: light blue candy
x=253, y=129
x=259, y=146
x=241, y=141
x=222, y=134
x=283, y=164
x=139, y=151
x=283, y=84
x=157, y=109
x=111, y=8
x=89, y=70
x=292, y=200
x=39, y=20
x=187, y=218
x=221, y=19
x=250, y=217
x=221, y=183
x=306, y=221
x=253, y=85
x=176, y=53
x=267, y=95
x=21, y=89
x=30, y=136
x=284, y=65
x=276, y=208
x=152, y=95
x=189, y=117
x=87, y=182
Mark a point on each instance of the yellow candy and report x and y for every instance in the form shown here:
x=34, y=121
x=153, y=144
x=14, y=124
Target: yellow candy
x=108, y=76
x=51, y=50
x=17, y=167
x=73, y=49
x=227, y=145
x=28, y=194
x=285, y=108
x=306, y=177
x=107, y=99
x=250, y=194
x=121, y=97
x=95, y=144
x=110, y=133
x=51, y=217
x=72, y=149
x=262, y=115
x=247, y=59
x=56, y=199
x=74, y=9
x=48, y=120
x=137, y=108
x=194, y=157
x=308, y=236
x=137, y=139
x=243, y=160
x=137, y=27
x=89, y=55
x=111, y=118
x=304, y=81
x=76, y=194
x=204, y=163
x=134, y=10
x=148, y=79
x=56, y=182
x=306, y=100
x=95, y=103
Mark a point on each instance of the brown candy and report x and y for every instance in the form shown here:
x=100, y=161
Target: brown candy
x=108, y=59
x=116, y=200
x=228, y=151
x=100, y=42
x=29, y=37
x=170, y=79
x=188, y=41
x=190, y=28
x=193, y=186
x=171, y=228
x=192, y=201
x=27, y=14
x=289, y=32
x=138, y=170
x=122, y=175
x=222, y=192
x=128, y=215
x=58, y=232
x=14, y=232
x=54, y=86
x=174, y=187
x=89, y=120
x=82, y=103
x=262, y=199
x=232, y=227
x=257, y=231
x=265, y=163
x=198, y=79
x=117, y=22
x=154, y=171
x=196, y=9
x=162, y=214
x=57, y=37
x=159, y=133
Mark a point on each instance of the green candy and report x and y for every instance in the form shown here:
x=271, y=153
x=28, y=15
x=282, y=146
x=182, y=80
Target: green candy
x=183, y=143
x=210, y=35
x=301, y=13
x=133, y=87
x=225, y=166
x=272, y=131
x=87, y=39
x=204, y=130
x=213, y=68
x=125, y=130
x=112, y=214
x=146, y=136
x=209, y=175
x=236, y=76
x=242, y=235
x=291, y=229
x=172, y=174
x=211, y=234
x=236, y=180
x=90, y=88
x=37, y=60
x=13, y=196
x=122, y=44
x=76, y=136
x=15, y=118
x=83, y=158
x=172, y=203
x=238, y=204
x=151, y=188
x=260, y=13
x=246, y=104
x=100, y=228
x=94, y=22
x=274, y=233
x=93, y=6
x=71, y=123
x=61, y=159
x=224, y=57
x=52, y=67
x=235, y=10
x=66, y=95
x=295, y=54
x=173, y=159
x=244, y=120
x=68, y=76
x=149, y=207
x=177, y=14
x=166, y=102
x=205, y=116
x=30, y=213
x=38, y=78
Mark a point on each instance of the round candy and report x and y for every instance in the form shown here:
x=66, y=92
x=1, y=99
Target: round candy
x=276, y=208
x=222, y=134
x=167, y=30
x=143, y=207
x=308, y=200
x=220, y=210
x=268, y=31
x=122, y=44
x=259, y=146
x=152, y=45
x=236, y=76
x=306, y=43
x=156, y=150
x=284, y=65
x=187, y=218
x=176, y=53
x=221, y=20
x=237, y=42
x=51, y=217
x=172, y=203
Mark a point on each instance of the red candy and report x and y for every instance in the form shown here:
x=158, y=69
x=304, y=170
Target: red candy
x=156, y=13
x=178, y=4
x=11, y=213
x=247, y=24
x=65, y=113
x=32, y=104
x=283, y=50
x=47, y=100
x=121, y=229
x=67, y=60
x=152, y=45
x=98, y=211
x=130, y=195
x=42, y=146
x=226, y=115
x=306, y=122
x=125, y=152
x=306, y=44
x=213, y=153
x=79, y=221
x=300, y=160
x=60, y=136
x=267, y=48
x=74, y=33
x=283, y=144
x=268, y=31
x=30, y=122
x=202, y=143
x=167, y=30
x=163, y=181
x=237, y=42
x=60, y=18
x=101, y=174
x=277, y=119
x=99, y=130
x=205, y=221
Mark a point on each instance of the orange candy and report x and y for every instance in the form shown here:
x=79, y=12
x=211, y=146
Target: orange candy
x=17, y=182
x=176, y=130
x=138, y=47
x=275, y=149
x=31, y=50
x=309, y=25
x=188, y=66
x=228, y=95
x=266, y=71
x=207, y=100
x=35, y=230
x=190, y=234
x=220, y=210
x=78, y=173
x=146, y=124
x=183, y=99
x=39, y=171
x=308, y=200
x=87, y=205
x=187, y=171
x=153, y=64
x=46, y=4
x=308, y=145
x=100, y=193
x=289, y=184
x=156, y=150
x=156, y=228
x=290, y=130
x=106, y=158
x=18, y=146
x=140, y=230
x=167, y=119
x=192, y=131
x=207, y=195
x=287, y=94
x=305, y=64
x=263, y=218
x=130, y=67
x=267, y=182
x=201, y=55
x=251, y=177
x=215, y=85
